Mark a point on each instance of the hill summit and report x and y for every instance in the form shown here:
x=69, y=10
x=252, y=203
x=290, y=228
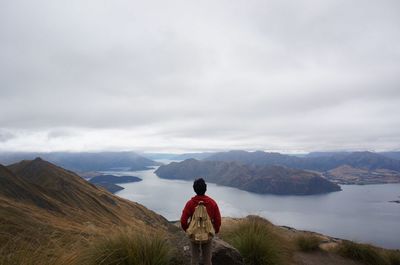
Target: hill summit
x=36, y=196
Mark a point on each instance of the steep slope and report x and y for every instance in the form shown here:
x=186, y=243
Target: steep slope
x=49, y=215
x=15, y=188
x=259, y=179
x=113, y=188
x=38, y=198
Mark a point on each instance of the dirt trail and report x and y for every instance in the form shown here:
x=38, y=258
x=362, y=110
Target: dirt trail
x=320, y=258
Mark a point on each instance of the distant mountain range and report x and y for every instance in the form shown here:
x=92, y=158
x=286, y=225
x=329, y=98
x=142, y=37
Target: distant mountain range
x=313, y=160
x=170, y=156
x=393, y=155
x=254, y=178
x=364, y=160
x=338, y=167
x=85, y=161
x=198, y=156
x=375, y=167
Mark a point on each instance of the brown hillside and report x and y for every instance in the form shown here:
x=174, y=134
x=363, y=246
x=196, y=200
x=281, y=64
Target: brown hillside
x=38, y=199
x=13, y=187
x=49, y=215
x=350, y=175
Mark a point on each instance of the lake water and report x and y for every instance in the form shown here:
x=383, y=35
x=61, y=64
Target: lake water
x=360, y=213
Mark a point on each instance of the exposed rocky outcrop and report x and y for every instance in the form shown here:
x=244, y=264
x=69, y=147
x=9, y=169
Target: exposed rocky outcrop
x=222, y=252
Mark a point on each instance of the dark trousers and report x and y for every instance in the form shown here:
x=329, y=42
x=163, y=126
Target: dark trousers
x=205, y=250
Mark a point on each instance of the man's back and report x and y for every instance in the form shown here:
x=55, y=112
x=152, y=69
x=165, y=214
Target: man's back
x=200, y=188
x=212, y=210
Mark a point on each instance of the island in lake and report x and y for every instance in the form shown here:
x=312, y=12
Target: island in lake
x=254, y=178
x=109, y=182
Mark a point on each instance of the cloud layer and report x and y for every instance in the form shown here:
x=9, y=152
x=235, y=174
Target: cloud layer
x=199, y=75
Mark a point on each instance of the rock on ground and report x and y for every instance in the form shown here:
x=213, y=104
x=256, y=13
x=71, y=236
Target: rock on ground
x=225, y=254
x=222, y=252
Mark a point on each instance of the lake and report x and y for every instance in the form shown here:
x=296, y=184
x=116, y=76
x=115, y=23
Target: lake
x=360, y=213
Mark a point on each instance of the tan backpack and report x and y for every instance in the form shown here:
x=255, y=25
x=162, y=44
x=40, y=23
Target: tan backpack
x=200, y=230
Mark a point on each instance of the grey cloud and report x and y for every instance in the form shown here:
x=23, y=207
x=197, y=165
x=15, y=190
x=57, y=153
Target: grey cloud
x=300, y=75
x=6, y=136
x=61, y=133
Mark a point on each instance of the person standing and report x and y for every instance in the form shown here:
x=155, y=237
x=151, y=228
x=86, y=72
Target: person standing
x=200, y=188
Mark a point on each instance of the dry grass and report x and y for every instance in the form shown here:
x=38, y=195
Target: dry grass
x=363, y=253
x=119, y=248
x=49, y=215
x=257, y=242
x=127, y=247
x=20, y=251
x=308, y=243
x=393, y=257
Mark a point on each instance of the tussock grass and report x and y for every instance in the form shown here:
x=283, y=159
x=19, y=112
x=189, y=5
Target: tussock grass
x=364, y=253
x=393, y=257
x=308, y=243
x=257, y=242
x=118, y=248
x=127, y=248
x=19, y=251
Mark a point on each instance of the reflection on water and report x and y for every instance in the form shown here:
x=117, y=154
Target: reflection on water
x=360, y=213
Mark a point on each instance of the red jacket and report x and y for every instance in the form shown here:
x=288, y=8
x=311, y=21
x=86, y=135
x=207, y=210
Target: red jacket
x=212, y=210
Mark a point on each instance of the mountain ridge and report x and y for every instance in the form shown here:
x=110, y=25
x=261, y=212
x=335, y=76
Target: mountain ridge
x=365, y=160
x=65, y=200
x=84, y=161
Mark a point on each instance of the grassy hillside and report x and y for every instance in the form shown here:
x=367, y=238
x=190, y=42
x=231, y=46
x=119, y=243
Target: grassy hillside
x=262, y=243
x=49, y=216
x=42, y=203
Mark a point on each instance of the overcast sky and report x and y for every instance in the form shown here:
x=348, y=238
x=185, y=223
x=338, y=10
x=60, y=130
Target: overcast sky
x=176, y=76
